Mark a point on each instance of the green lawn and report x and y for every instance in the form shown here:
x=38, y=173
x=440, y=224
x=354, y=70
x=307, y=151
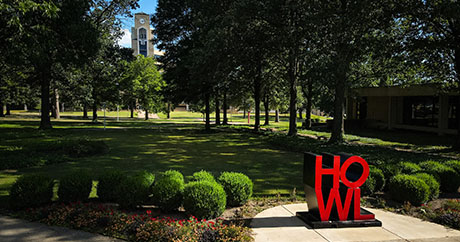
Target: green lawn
x=158, y=146
x=273, y=162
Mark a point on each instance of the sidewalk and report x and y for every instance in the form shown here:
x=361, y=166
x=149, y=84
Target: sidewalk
x=12, y=229
x=280, y=224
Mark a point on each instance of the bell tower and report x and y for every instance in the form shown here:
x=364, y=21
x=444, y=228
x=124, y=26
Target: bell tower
x=142, y=38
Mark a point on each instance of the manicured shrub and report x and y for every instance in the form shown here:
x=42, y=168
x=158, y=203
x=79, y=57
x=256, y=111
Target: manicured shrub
x=168, y=190
x=173, y=173
x=107, y=186
x=431, y=182
x=75, y=187
x=31, y=191
x=134, y=190
x=409, y=168
x=389, y=171
x=204, y=199
x=203, y=176
x=237, y=186
x=409, y=188
x=378, y=176
x=455, y=164
x=448, y=178
x=368, y=188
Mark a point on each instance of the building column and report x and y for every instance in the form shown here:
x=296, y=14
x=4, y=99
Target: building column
x=390, y=123
x=443, y=116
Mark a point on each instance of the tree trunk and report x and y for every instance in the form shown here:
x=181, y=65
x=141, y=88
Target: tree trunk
x=224, y=107
x=45, y=121
x=456, y=146
x=217, y=109
x=339, y=110
x=168, y=113
x=146, y=114
x=300, y=113
x=94, y=112
x=2, y=114
x=293, y=99
x=57, y=114
x=267, y=110
x=207, y=125
x=8, y=109
x=131, y=107
x=277, y=116
x=85, y=111
x=257, y=84
x=309, y=106
x=244, y=109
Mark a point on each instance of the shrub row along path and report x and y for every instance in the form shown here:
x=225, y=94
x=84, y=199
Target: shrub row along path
x=12, y=229
x=279, y=224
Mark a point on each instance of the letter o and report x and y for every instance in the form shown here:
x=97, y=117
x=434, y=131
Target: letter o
x=362, y=179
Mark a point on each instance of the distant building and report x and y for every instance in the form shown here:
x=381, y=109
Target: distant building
x=419, y=107
x=142, y=36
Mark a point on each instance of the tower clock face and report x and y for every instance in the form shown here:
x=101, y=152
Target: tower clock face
x=142, y=21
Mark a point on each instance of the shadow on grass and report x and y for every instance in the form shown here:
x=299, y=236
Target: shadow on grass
x=163, y=146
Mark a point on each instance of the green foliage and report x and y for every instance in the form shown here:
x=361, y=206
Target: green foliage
x=448, y=177
x=455, y=164
x=431, y=182
x=409, y=168
x=146, y=82
x=134, y=190
x=31, y=191
x=173, y=174
x=108, y=184
x=203, y=176
x=75, y=187
x=168, y=190
x=409, y=188
x=49, y=152
x=378, y=176
x=204, y=199
x=368, y=188
x=237, y=186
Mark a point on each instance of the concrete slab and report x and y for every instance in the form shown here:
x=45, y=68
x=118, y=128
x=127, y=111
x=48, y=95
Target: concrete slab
x=286, y=235
x=280, y=224
x=358, y=234
x=411, y=228
x=12, y=229
x=294, y=208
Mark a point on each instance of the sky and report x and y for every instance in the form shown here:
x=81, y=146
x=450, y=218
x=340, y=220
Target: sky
x=146, y=6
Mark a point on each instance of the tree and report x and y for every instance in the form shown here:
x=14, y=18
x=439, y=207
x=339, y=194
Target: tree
x=432, y=39
x=58, y=34
x=147, y=84
x=347, y=28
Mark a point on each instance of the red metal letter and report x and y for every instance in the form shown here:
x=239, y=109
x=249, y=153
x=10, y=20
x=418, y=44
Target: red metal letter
x=358, y=215
x=334, y=194
x=363, y=177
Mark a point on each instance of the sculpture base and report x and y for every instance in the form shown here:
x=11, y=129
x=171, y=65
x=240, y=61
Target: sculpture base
x=316, y=223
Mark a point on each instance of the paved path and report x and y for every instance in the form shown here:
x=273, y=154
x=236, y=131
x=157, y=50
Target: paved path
x=12, y=229
x=280, y=224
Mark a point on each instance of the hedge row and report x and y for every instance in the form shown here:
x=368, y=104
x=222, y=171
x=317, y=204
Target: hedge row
x=419, y=183
x=415, y=183
x=204, y=196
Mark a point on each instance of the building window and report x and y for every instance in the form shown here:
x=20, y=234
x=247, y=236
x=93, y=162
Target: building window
x=143, y=42
x=421, y=111
x=453, y=107
x=142, y=34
